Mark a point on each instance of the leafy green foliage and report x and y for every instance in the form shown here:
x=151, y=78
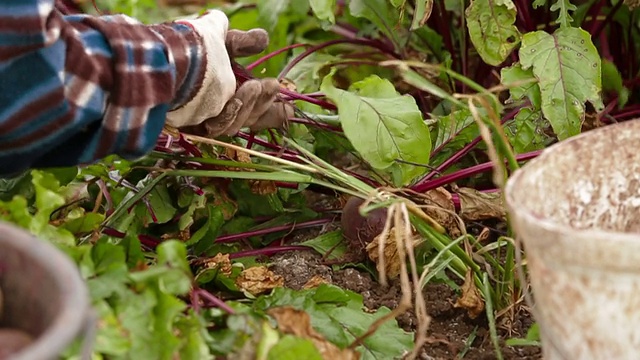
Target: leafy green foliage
x=381, y=13
x=47, y=199
x=422, y=12
x=323, y=9
x=329, y=244
x=293, y=348
x=141, y=315
x=492, y=30
x=337, y=314
x=567, y=67
x=270, y=10
x=383, y=126
x=532, y=338
x=612, y=81
x=526, y=131
x=563, y=7
x=451, y=133
x=277, y=18
x=522, y=83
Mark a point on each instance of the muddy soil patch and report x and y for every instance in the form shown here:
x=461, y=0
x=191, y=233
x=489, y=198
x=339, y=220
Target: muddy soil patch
x=450, y=330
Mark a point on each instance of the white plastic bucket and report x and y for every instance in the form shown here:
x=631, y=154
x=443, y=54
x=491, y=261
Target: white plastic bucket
x=43, y=296
x=576, y=208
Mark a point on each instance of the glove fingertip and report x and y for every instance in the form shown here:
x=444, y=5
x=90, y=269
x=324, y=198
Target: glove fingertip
x=276, y=117
x=246, y=43
x=270, y=87
x=218, y=125
x=250, y=89
x=261, y=37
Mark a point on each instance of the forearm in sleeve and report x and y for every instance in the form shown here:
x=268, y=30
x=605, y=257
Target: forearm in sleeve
x=77, y=88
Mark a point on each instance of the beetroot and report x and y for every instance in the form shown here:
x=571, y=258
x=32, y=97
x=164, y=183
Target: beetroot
x=359, y=230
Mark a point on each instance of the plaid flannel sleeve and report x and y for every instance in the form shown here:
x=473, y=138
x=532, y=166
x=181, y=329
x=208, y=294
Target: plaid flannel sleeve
x=77, y=88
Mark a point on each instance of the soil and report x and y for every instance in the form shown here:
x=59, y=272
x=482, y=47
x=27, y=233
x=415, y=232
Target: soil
x=450, y=327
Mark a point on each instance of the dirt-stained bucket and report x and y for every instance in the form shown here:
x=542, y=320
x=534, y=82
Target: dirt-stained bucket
x=576, y=208
x=43, y=297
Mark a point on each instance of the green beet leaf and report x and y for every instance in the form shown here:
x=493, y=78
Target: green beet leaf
x=270, y=10
x=451, y=133
x=293, y=348
x=381, y=13
x=521, y=84
x=383, y=126
x=563, y=7
x=330, y=244
x=323, y=9
x=526, y=131
x=567, y=66
x=339, y=316
x=612, y=81
x=492, y=30
x=83, y=223
x=47, y=200
x=421, y=14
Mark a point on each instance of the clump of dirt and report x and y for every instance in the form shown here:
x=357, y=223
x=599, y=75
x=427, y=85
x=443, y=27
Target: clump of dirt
x=297, y=268
x=450, y=327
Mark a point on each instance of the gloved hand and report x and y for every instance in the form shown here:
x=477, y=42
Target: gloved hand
x=217, y=108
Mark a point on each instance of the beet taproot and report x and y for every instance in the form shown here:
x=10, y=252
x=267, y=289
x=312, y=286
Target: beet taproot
x=361, y=230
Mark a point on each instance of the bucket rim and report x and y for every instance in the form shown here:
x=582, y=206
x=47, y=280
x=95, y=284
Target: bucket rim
x=521, y=211
x=74, y=304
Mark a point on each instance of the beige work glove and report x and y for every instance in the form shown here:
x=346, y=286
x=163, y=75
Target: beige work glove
x=218, y=108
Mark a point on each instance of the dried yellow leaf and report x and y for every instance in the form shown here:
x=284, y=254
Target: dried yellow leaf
x=470, y=299
x=257, y=280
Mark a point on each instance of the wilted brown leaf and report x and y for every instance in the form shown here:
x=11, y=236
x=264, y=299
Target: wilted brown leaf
x=288, y=84
x=257, y=280
x=171, y=131
x=428, y=4
x=262, y=187
x=221, y=262
x=184, y=235
x=476, y=205
x=632, y=4
x=298, y=323
x=470, y=299
x=391, y=258
x=239, y=156
x=259, y=187
x=441, y=198
x=484, y=235
x=314, y=282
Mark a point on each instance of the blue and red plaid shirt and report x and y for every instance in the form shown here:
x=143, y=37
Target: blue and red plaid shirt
x=76, y=88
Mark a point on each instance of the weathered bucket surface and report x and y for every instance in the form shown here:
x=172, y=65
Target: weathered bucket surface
x=577, y=210
x=43, y=294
